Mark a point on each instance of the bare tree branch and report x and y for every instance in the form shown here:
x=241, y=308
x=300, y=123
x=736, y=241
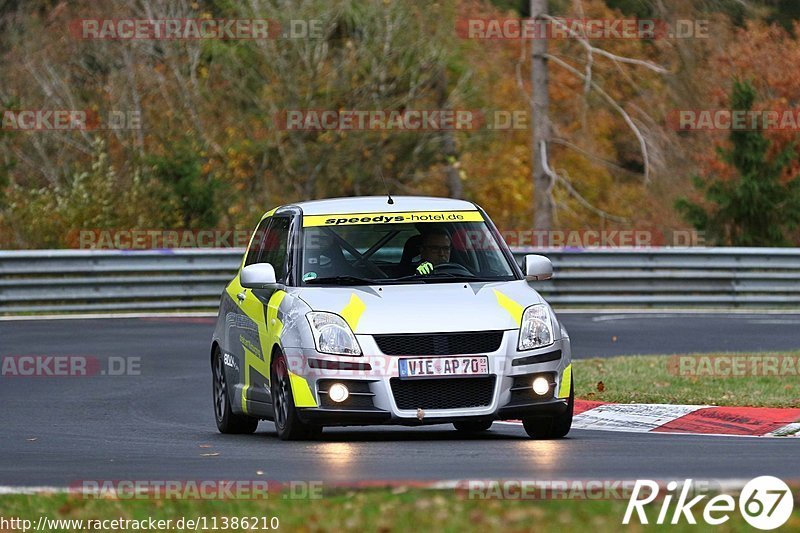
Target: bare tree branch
x=594, y=157
x=564, y=180
x=599, y=51
x=613, y=103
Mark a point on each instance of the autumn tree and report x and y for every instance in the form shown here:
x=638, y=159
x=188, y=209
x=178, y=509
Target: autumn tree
x=757, y=207
x=211, y=153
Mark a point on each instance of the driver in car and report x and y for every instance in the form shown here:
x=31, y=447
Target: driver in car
x=434, y=250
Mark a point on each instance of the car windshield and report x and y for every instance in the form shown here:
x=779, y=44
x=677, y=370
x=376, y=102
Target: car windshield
x=381, y=250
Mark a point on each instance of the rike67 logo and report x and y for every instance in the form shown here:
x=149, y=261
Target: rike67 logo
x=765, y=503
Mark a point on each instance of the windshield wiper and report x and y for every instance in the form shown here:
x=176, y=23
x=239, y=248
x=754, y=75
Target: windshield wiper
x=341, y=280
x=449, y=276
x=444, y=276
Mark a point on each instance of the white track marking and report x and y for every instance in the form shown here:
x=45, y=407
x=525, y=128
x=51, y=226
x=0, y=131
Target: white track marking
x=639, y=418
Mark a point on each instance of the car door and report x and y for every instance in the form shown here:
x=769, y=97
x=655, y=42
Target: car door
x=254, y=333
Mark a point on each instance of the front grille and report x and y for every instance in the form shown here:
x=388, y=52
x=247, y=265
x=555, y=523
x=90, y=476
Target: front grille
x=446, y=393
x=440, y=343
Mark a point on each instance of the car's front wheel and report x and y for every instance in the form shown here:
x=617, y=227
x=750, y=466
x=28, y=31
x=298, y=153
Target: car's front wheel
x=551, y=427
x=227, y=420
x=287, y=422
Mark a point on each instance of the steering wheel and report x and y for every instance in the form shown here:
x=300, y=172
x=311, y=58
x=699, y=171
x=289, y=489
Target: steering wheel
x=452, y=268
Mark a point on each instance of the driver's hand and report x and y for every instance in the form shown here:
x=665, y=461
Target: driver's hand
x=425, y=268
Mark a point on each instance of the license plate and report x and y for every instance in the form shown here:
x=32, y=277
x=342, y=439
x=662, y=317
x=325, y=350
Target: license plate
x=429, y=367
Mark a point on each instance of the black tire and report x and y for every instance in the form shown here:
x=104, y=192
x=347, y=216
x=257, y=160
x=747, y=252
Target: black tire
x=287, y=422
x=551, y=427
x=227, y=420
x=472, y=426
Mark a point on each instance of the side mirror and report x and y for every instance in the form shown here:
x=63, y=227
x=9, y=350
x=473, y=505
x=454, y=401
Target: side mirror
x=537, y=268
x=258, y=276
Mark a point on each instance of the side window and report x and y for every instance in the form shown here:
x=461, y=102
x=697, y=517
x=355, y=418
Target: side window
x=257, y=243
x=274, y=249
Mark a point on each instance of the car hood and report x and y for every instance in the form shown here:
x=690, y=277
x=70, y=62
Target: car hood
x=425, y=308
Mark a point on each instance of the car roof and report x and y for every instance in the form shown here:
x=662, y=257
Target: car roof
x=379, y=204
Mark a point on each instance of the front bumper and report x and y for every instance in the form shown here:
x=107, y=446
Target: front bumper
x=380, y=397
x=351, y=417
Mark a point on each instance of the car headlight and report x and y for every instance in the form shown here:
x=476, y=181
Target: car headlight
x=536, y=329
x=332, y=334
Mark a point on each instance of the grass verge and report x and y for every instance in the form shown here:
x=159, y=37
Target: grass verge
x=758, y=380
x=364, y=510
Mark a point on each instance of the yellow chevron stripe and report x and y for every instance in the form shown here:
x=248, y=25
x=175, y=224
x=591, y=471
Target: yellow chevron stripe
x=514, y=309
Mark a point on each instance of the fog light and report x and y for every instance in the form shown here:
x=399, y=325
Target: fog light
x=541, y=386
x=338, y=393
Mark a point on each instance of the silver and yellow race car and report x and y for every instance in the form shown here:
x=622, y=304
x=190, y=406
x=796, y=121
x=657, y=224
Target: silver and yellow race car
x=373, y=310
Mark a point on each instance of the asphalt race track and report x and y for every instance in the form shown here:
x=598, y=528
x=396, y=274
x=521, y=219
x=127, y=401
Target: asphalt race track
x=668, y=333
x=159, y=425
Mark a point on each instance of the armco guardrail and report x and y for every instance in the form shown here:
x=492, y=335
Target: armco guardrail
x=193, y=279
x=675, y=277
x=86, y=281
